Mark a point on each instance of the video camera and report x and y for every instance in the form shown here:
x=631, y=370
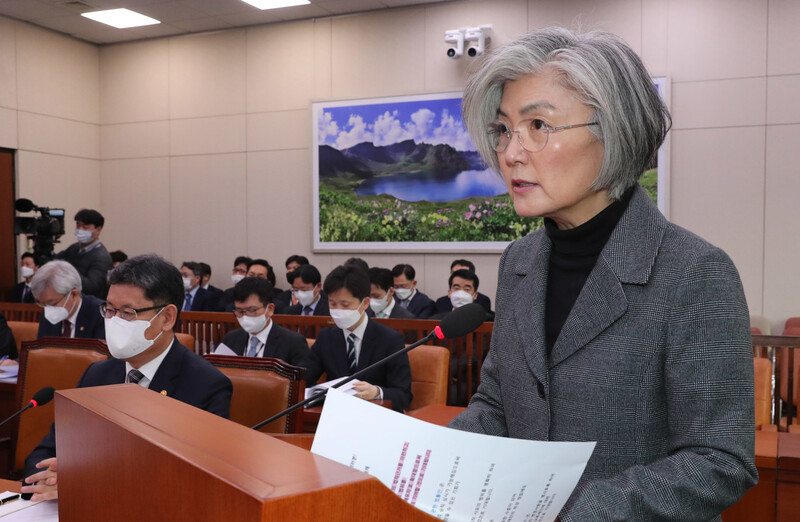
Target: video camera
x=44, y=229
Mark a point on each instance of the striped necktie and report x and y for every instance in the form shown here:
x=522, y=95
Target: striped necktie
x=135, y=376
x=254, y=342
x=351, y=351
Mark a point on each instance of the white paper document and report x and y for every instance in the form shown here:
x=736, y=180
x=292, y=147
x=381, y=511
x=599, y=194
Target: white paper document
x=26, y=510
x=223, y=349
x=9, y=373
x=450, y=474
x=346, y=388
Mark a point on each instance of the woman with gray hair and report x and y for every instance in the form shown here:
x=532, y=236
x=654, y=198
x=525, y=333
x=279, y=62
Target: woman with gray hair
x=613, y=324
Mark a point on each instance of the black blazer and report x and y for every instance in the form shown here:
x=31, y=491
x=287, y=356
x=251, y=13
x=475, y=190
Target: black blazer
x=16, y=294
x=88, y=325
x=321, y=309
x=329, y=355
x=8, y=345
x=204, y=301
x=183, y=375
x=281, y=343
x=421, y=306
x=443, y=304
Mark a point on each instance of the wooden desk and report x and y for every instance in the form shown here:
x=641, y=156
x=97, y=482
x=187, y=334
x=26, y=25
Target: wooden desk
x=437, y=413
x=311, y=415
x=10, y=485
x=788, y=477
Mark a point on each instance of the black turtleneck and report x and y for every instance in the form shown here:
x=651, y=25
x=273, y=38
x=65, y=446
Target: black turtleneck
x=572, y=258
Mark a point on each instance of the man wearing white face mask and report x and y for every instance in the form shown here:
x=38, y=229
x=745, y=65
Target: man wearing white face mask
x=68, y=312
x=259, y=336
x=405, y=290
x=21, y=293
x=144, y=302
x=382, y=303
x=307, y=289
x=356, y=342
x=88, y=255
x=463, y=290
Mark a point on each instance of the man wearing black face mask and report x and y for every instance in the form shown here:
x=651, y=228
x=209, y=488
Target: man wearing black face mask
x=144, y=302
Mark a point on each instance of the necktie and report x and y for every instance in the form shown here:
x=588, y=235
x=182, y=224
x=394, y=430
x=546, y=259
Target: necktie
x=254, y=342
x=404, y=303
x=135, y=376
x=66, y=330
x=351, y=351
x=25, y=293
x=307, y=310
x=187, y=303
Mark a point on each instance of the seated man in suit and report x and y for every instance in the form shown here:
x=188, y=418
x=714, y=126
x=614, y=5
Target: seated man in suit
x=238, y=273
x=259, y=336
x=356, y=342
x=381, y=296
x=21, y=292
x=67, y=311
x=8, y=345
x=463, y=286
x=205, y=284
x=405, y=290
x=196, y=298
x=286, y=298
x=262, y=269
x=307, y=288
x=443, y=304
x=144, y=303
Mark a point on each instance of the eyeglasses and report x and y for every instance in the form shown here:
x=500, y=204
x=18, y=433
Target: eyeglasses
x=533, y=137
x=127, y=314
x=251, y=312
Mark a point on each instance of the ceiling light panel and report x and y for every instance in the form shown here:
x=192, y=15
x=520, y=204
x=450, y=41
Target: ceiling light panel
x=121, y=18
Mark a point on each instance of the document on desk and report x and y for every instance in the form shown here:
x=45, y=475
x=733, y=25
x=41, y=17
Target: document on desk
x=25, y=510
x=450, y=474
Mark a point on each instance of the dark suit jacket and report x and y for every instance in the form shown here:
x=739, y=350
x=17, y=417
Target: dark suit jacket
x=443, y=304
x=654, y=362
x=321, y=309
x=93, y=266
x=8, y=345
x=226, y=304
x=281, y=343
x=421, y=306
x=329, y=355
x=204, y=301
x=184, y=376
x=17, y=291
x=88, y=325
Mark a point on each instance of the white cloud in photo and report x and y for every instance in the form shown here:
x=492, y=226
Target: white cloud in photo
x=327, y=129
x=387, y=130
x=358, y=132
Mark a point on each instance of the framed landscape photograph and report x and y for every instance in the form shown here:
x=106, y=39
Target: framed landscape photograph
x=402, y=174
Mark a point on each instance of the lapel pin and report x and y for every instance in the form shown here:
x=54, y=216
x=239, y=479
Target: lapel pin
x=164, y=393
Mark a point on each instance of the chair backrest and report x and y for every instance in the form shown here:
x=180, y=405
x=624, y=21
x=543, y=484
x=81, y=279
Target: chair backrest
x=23, y=331
x=792, y=322
x=50, y=361
x=429, y=371
x=763, y=391
x=262, y=387
x=782, y=365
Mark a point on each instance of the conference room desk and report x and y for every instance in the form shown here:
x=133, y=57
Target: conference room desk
x=311, y=415
x=10, y=485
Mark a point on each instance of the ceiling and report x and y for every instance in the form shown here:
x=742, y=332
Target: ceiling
x=177, y=16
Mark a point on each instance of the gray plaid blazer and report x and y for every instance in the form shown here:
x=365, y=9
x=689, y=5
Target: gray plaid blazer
x=654, y=363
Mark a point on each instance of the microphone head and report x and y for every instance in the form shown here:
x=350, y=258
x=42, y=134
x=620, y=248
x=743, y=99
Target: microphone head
x=23, y=205
x=43, y=396
x=461, y=321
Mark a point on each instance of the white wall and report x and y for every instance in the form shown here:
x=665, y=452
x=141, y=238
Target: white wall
x=205, y=140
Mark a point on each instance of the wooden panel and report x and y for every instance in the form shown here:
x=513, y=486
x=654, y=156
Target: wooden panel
x=8, y=258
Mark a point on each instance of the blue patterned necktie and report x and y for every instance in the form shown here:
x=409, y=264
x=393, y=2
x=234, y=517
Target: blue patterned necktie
x=187, y=304
x=254, y=342
x=351, y=351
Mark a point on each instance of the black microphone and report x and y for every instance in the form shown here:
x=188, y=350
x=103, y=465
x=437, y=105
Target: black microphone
x=457, y=323
x=40, y=398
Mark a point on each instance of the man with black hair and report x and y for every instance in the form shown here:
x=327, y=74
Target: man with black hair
x=88, y=255
x=443, y=304
x=196, y=298
x=356, y=342
x=286, y=298
x=259, y=336
x=21, y=292
x=382, y=303
x=306, y=284
x=117, y=257
x=143, y=306
x=239, y=272
x=463, y=290
x=405, y=290
x=205, y=278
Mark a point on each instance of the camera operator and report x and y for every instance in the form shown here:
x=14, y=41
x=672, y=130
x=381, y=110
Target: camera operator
x=88, y=255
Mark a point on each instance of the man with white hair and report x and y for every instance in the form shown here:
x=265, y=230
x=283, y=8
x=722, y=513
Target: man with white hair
x=68, y=312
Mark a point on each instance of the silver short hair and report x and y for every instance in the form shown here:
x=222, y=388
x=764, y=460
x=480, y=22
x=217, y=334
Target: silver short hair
x=605, y=74
x=59, y=275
